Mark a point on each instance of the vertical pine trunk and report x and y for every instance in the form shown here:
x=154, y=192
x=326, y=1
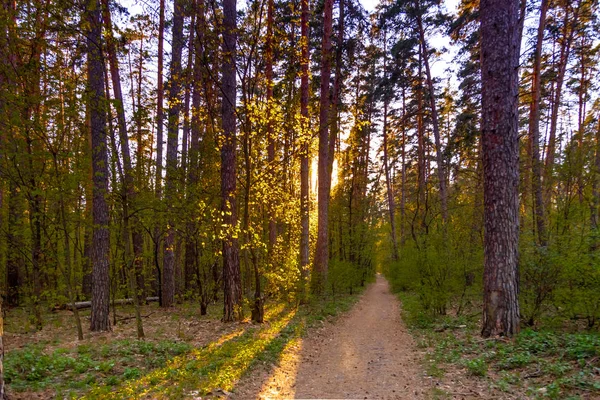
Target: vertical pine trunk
x=186, y=99
x=565, y=50
x=386, y=166
x=270, y=127
x=403, y=171
x=191, y=256
x=337, y=91
x=596, y=184
x=168, y=274
x=322, y=252
x=441, y=169
x=422, y=173
x=133, y=257
x=159, y=101
x=500, y=46
x=232, y=309
x=97, y=114
x=534, y=129
x=305, y=140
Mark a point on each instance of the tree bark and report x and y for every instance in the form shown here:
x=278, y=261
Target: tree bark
x=565, y=50
x=441, y=170
x=304, y=149
x=131, y=234
x=270, y=127
x=534, y=129
x=386, y=166
x=232, y=309
x=159, y=101
x=500, y=46
x=97, y=114
x=168, y=274
x=322, y=252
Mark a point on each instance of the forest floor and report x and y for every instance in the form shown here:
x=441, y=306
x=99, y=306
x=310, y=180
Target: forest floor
x=359, y=346
x=367, y=354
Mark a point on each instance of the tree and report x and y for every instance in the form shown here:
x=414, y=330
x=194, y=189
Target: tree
x=231, y=263
x=305, y=141
x=500, y=46
x=322, y=252
x=168, y=274
x=97, y=115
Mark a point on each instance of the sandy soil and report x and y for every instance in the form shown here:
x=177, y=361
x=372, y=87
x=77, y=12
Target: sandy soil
x=367, y=354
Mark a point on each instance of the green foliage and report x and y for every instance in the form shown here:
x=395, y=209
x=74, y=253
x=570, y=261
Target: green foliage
x=557, y=364
x=477, y=366
x=36, y=367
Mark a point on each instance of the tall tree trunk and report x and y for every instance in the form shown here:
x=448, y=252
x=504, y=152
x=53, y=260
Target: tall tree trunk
x=565, y=50
x=441, y=169
x=422, y=173
x=67, y=252
x=186, y=99
x=386, y=166
x=304, y=147
x=232, y=309
x=191, y=256
x=168, y=275
x=596, y=183
x=270, y=127
x=534, y=129
x=14, y=240
x=322, y=252
x=500, y=46
x=403, y=171
x=97, y=114
x=337, y=91
x=128, y=195
x=159, y=101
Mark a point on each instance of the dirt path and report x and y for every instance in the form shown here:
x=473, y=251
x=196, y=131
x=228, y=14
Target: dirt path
x=367, y=354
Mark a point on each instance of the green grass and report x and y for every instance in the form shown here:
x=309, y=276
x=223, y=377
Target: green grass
x=221, y=364
x=167, y=368
x=36, y=368
x=537, y=364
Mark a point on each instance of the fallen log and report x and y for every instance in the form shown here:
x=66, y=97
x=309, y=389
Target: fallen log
x=80, y=305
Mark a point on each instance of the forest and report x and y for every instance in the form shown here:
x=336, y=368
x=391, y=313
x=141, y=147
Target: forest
x=192, y=191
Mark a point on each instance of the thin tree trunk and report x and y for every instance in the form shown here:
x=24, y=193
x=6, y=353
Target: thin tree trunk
x=565, y=50
x=322, y=251
x=191, y=256
x=159, y=101
x=403, y=171
x=305, y=141
x=67, y=251
x=386, y=166
x=596, y=184
x=441, y=169
x=168, y=275
x=500, y=46
x=337, y=91
x=270, y=127
x=128, y=195
x=232, y=309
x=534, y=129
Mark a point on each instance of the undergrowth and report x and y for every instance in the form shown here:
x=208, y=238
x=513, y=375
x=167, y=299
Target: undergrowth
x=553, y=364
x=123, y=369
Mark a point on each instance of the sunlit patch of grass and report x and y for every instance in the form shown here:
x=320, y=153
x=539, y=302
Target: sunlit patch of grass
x=223, y=362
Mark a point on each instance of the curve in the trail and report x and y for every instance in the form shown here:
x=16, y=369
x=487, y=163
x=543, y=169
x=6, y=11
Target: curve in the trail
x=367, y=354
